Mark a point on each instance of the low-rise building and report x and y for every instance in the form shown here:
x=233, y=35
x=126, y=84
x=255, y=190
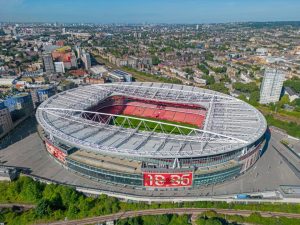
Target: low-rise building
x=178, y=72
x=126, y=76
x=291, y=93
x=40, y=93
x=98, y=70
x=59, y=67
x=65, y=85
x=7, y=81
x=91, y=80
x=199, y=80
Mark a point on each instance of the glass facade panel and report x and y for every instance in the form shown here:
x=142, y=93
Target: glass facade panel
x=105, y=175
x=217, y=177
x=137, y=180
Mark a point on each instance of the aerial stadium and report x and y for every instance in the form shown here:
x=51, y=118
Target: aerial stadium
x=152, y=135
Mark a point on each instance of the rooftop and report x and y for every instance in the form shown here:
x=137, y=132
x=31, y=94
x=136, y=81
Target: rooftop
x=230, y=123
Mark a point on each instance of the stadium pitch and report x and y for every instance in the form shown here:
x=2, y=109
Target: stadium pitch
x=165, y=126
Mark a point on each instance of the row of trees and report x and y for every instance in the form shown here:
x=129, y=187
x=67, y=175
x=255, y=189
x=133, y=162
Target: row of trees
x=209, y=56
x=156, y=220
x=247, y=88
x=219, y=87
x=222, y=69
x=251, y=90
x=213, y=218
x=294, y=83
x=203, y=68
x=209, y=79
x=57, y=202
x=53, y=202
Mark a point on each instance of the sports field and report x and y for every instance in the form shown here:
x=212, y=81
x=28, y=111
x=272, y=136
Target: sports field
x=134, y=122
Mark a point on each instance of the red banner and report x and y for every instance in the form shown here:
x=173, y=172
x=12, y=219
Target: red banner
x=56, y=152
x=168, y=179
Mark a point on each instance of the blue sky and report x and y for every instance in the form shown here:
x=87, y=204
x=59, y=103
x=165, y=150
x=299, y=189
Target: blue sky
x=156, y=11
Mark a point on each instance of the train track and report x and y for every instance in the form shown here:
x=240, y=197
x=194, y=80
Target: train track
x=189, y=211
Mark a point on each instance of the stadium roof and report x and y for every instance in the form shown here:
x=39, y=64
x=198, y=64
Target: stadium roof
x=230, y=123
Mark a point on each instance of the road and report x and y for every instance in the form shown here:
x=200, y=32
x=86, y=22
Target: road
x=189, y=211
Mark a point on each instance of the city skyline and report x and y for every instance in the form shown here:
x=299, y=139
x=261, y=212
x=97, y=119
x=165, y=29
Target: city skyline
x=133, y=11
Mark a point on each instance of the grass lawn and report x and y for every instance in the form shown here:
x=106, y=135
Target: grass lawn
x=281, y=114
x=151, y=125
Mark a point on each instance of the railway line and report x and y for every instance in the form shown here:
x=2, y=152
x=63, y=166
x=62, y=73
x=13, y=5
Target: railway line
x=190, y=211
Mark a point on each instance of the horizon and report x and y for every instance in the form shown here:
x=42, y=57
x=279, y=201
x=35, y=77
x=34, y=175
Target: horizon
x=154, y=12
x=147, y=23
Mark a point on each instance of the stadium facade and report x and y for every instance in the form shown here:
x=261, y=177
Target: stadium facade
x=152, y=135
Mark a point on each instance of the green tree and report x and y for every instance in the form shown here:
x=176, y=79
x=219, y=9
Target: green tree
x=293, y=83
x=30, y=190
x=296, y=102
x=43, y=208
x=209, y=79
x=72, y=211
x=246, y=88
x=156, y=220
x=179, y=220
x=201, y=221
x=189, y=70
x=220, y=69
x=243, y=97
x=220, y=87
x=68, y=195
x=213, y=221
x=284, y=100
x=208, y=56
x=155, y=60
x=203, y=68
x=254, y=98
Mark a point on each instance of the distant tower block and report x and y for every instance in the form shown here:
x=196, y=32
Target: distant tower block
x=48, y=64
x=271, y=86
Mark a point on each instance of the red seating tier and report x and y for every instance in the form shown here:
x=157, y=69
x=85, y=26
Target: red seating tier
x=120, y=105
x=149, y=112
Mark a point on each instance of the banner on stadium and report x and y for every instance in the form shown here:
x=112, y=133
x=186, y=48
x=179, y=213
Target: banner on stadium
x=168, y=179
x=56, y=152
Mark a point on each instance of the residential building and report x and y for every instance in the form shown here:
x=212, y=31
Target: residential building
x=9, y=82
x=271, y=86
x=65, y=85
x=40, y=93
x=291, y=93
x=78, y=51
x=59, y=67
x=48, y=63
x=90, y=80
x=20, y=106
x=73, y=60
x=126, y=76
x=98, y=70
x=86, y=59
